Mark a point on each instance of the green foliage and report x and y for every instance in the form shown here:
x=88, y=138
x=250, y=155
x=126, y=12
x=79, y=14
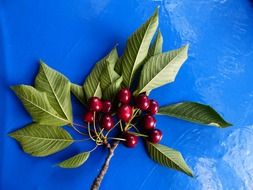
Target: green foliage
x=57, y=88
x=194, y=112
x=161, y=69
x=168, y=157
x=37, y=104
x=75, y=161
x=42, y=140
x=78, y=92
x=157, y=46
x=137, y=49
x=109, y=75
x=49, y=103
x=111, y=91
x=92, y=84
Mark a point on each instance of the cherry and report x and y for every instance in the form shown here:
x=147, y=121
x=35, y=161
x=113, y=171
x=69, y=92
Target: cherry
x=107, y=106
x=95, y=104
x=131, y=140
x=88, y=117
x=124, y=95
x=149, y=122
x=155, y=136
x=142, y=102
x=107, y=122
x=125, y=112
x=153, y=107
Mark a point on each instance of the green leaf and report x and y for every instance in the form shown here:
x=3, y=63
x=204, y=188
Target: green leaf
x=157, y=46
x=109, y=75
x=112, y=90
x=92, y=86
x=161, y=69
x=37, y=104
x=57, y=88
x=75, y=161
x=42, y=140
x=137, y=49
x=194, y=112
x=168, y=157
x=118, y=66
x=78, y=92
x=98, y=91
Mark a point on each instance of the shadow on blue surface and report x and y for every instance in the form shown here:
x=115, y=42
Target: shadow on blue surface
x=72, y=35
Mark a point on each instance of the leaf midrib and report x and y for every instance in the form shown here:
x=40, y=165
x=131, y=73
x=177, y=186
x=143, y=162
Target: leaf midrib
x=56, y=96
x=45, y=110
x=188, y=172
x=43, y=138
x=184, y=117
x=109, y=72
x=134, y=65
x=160, y=72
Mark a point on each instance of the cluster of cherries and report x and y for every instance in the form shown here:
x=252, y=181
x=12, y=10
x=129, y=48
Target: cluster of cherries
x=142, y=104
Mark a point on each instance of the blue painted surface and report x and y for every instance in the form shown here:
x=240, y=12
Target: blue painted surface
x=72, y=35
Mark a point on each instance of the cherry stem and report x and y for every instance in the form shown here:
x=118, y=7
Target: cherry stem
x=97, y=182
x=79, y=125
x=90, y=133
x=79, y=131
x=99, y=141
x=93, y=149
x=81, y=140
x=115, y=138
x=94, y=123
x=112, y=128
x=132, y=125
x=121, y=127
x=129, y=123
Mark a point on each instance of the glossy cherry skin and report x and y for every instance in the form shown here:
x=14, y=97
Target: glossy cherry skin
x=142, y=102
x=95, y=104
x=153, y=107
x=125, y=112
x=131, y=140
x=124, y=96
x=107, y=106
x=149, y=122
x=88, y=117
x=155, y=136
x=107, y=122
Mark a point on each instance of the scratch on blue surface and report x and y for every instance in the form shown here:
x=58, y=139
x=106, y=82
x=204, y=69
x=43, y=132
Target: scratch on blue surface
x=147, y=177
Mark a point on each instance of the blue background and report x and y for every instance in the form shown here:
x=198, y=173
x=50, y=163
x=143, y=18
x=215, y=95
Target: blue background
x=72, y=35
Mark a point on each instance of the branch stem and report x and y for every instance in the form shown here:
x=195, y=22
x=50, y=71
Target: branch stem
x=97, y=182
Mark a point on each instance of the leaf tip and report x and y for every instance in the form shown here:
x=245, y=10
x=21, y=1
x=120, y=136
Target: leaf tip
x=156, y=11
x=186, y=47
x=41, y=61
x=11, y=135
x=14, y=87
x=190, y=174
x=227, y=124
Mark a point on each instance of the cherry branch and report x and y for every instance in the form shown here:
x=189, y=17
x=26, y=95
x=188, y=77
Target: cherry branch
x=97, y=182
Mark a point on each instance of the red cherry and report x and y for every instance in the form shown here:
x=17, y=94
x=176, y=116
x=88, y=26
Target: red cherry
x=131, y=140
x=95, y=104
x=107, y=122
x=125, y=112
x=149, y=122
x=155, y=136
x=153, y=107
x=142, y=102
x=124, y=95
x=88, y=117
x=107, y=106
